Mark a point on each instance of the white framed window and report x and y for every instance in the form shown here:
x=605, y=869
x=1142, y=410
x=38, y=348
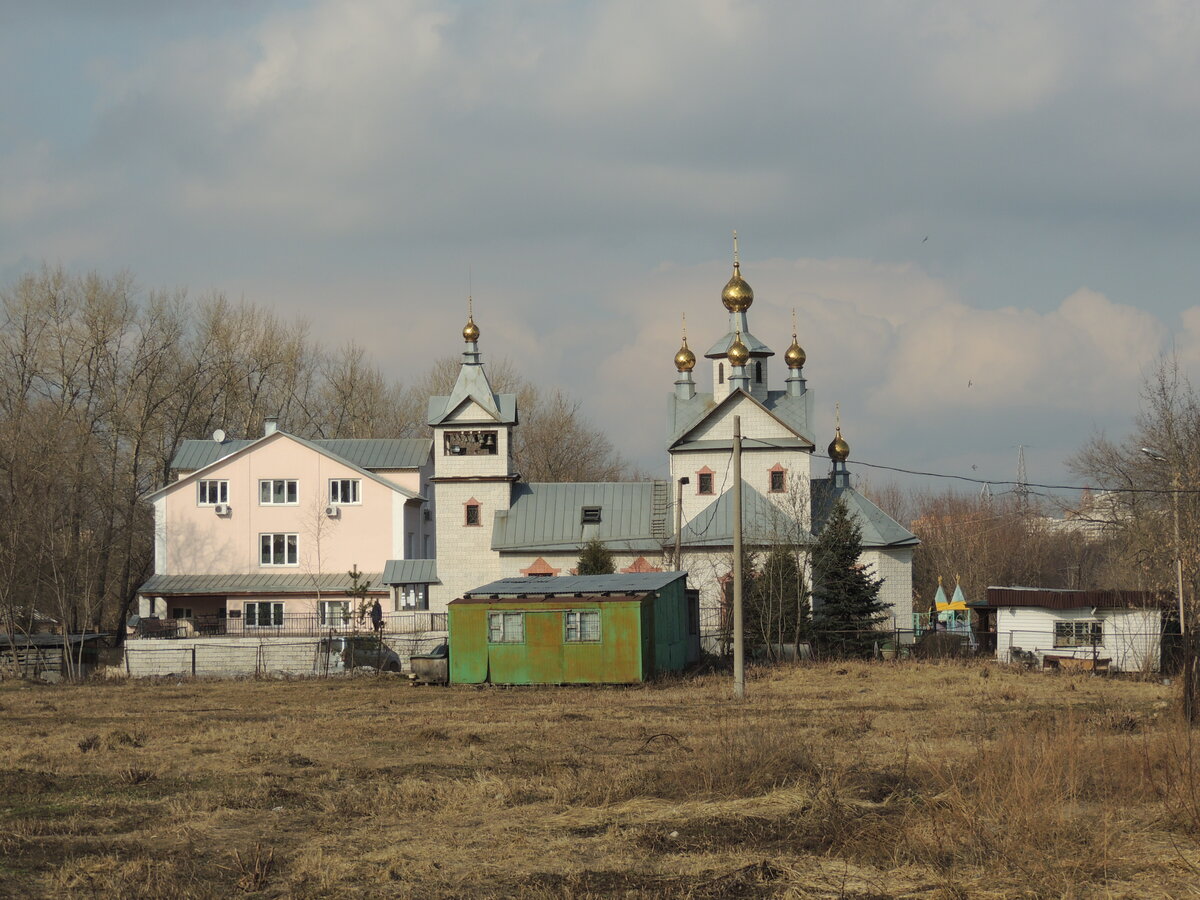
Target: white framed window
x=506, y=628
x=333, y=613
x=278, y=492
x=581, y=626
x=263, y=614
x=343, y=491
x=1083, y=633
x=278, y=550
x=212, y=492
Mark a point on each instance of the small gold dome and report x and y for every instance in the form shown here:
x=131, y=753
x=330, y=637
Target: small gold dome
x=685, y=359
x=737, y=353
x=470, y=330
x=794, y=355
x=839, y=450
x=738, y=295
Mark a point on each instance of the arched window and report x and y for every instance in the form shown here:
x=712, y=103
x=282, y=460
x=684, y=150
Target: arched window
x=720, y=373
x=758, y=373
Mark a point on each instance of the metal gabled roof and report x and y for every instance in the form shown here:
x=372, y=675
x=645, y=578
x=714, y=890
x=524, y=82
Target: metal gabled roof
x=879, y=530
x=367, y=453
x=254, y=583
x=312, y=445
x=754, y=345
x=195, y=454
x=410, y=571
x=550, y=516
x=567, y=585
x=763, y=522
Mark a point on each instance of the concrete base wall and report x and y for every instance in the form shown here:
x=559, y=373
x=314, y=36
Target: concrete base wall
x=233, y=658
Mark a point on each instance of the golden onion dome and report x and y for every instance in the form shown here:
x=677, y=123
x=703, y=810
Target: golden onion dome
x=470, y=330
x=685, y=359
x=839, y=450
x=737, y=353
x=738, y=295
x=794, y=355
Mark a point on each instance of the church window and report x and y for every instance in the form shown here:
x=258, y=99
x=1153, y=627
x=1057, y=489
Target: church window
x=758, y=373
x=705, y=483
x=472, y=514
x=720, y=373
x=471, y=443
x=590, y=515
x=778, y=480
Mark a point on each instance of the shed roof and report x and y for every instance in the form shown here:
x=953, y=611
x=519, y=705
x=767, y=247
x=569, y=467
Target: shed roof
x=20, y=641
x=1061, y=598
x=568, y=585
x=367, y=453
x=256, y=583
x=410, y=571
x=554, y=599
x=548, y=517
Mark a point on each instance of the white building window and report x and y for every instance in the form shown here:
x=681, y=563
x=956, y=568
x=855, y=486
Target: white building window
x=278, y=550
x=263, y=614
x=334, y=613
x=211, y=493
x=279, y=492
x=581, y=625
x=1084, y=633
x=506, y=628
x=345, y=490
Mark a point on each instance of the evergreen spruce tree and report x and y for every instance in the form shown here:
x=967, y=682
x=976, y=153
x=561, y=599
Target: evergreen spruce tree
x=778, y=609
x=595, y=559
x=846, y=604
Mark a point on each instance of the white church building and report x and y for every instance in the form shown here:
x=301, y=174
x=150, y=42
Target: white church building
x=257, y=533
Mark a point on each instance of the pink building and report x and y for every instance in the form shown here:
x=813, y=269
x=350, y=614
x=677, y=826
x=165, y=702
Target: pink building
x=259, y=536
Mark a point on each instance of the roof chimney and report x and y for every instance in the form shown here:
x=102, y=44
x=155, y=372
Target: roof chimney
x=270, y=425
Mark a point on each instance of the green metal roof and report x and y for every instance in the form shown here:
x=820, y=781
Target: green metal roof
x=410, y=571
x=567, y=585
x=763, y=522
x=366, y=453
x=441, y=407
x=878, y=528
x=721, y=348
x=634, y=516
x=256, y=583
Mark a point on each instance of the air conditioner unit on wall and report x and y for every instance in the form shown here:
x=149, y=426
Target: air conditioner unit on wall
x=333, y=511
x=222, y=509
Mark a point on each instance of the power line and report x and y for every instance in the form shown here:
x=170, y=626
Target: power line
x=1016, y=484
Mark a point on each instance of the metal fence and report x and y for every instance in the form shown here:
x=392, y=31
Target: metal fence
x=287, y=625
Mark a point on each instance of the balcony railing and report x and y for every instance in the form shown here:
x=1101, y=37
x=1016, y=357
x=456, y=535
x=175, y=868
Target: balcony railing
x=289, y=625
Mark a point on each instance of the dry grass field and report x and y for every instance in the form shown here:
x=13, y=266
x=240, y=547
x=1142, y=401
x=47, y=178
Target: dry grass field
x=833, y=780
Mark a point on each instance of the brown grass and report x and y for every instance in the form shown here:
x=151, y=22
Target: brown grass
x=839, y=780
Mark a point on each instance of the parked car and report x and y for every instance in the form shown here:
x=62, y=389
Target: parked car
x=346, y=653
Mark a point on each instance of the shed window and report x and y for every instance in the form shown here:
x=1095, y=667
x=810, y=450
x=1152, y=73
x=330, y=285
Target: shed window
x=1083, y=633
x=506, y=628
x=580, y=625
x=590, y=514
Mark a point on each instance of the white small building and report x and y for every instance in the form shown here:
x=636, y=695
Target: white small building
x=1121, y=630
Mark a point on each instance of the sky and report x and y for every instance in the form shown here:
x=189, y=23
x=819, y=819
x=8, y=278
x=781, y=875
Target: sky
x=984, y=215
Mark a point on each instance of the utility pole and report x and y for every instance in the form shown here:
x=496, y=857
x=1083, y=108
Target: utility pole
x=739, y=650
x=679, y=522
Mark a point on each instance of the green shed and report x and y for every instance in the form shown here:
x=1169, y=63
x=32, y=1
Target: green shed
x=577, y=629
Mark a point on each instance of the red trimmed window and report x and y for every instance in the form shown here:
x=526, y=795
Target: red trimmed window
x=777, y=479
x=704, y=481
x=471, y=514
